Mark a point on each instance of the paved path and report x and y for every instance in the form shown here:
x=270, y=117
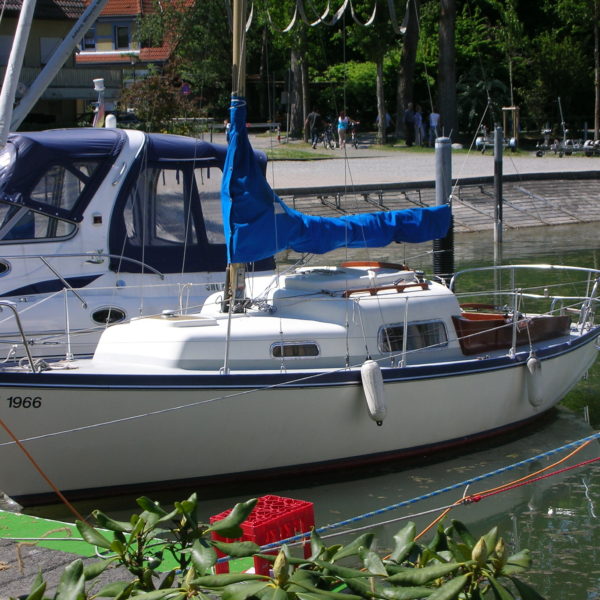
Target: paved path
x=369, y=165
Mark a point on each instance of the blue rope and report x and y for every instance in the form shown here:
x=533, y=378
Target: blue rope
x=449, y=488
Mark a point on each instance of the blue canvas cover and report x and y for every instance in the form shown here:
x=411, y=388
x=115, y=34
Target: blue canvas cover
x=259, y=224
x=34, y=153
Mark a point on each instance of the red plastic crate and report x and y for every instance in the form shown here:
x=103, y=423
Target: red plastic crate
x=274, y=518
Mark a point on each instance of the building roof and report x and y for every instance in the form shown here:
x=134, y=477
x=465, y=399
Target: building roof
x=50, y=9
x=121, y=8
x=129, y=8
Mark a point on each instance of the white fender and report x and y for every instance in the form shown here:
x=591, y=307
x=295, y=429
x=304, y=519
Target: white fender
x=534, y=381
x=372, y=382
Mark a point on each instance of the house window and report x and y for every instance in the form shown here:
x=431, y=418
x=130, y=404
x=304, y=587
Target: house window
x=420, y=335
x=89, y=40
x=121, y=37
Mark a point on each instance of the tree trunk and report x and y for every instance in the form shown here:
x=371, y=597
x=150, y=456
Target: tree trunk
x=596, y=71
x=264, y=105
x=305, y=94
x=447, y=69
x=296, y=110
x=406, y=72
x=381, y=126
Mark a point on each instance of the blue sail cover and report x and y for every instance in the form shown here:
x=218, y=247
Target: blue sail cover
x=258, y=224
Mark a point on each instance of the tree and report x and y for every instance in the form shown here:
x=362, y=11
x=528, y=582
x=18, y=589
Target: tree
x=406, y=71
x=373, y=42
x=157, y=99
x=583, y=16
x=447, y=69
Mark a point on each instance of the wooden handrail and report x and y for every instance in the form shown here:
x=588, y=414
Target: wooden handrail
x=373, y=291
x=375, y=265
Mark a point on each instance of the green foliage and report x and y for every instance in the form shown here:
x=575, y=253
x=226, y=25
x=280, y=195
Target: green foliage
x=157, y=100
x=454, y=564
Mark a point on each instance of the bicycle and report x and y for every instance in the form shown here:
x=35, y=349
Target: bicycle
x=328, y=137
x=353, y=134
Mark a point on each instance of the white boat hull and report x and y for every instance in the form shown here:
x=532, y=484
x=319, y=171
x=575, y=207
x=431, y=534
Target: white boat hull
x=168, y=429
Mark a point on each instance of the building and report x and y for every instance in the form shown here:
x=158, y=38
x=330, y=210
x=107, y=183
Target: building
x=108, y=51
x=52, y=21
x=111, y=45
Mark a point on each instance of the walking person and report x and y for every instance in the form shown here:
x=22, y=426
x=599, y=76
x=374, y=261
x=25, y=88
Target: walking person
x=419, y=126
x=313, y=124
x=434, y=121
x=342, y=128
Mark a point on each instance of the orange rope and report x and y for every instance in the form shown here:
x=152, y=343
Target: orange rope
x=41, y=472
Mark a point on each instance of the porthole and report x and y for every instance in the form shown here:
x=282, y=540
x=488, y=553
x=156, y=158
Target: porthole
x=108, y=315
x=4, y=267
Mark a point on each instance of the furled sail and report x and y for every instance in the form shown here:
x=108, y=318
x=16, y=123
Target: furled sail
x=258, y=224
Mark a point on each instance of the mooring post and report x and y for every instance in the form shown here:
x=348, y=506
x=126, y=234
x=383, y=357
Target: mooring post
x=443, y=249
x=498, y=147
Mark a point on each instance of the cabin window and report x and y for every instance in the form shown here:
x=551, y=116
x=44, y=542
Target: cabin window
x=18, y=223
x=157, y=212
x=60, y=187
x=294, y=350
x=208, y=182
x=420, y=335
x=108, y=315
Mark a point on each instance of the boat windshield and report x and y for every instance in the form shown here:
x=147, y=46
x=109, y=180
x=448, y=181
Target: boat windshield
x=47, y=178
x=36, y=213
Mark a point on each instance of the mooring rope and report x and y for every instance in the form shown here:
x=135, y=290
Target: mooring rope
x=463, y=484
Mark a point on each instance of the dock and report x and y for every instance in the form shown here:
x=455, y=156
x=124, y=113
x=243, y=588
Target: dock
x=30, y=545
x=527, y=201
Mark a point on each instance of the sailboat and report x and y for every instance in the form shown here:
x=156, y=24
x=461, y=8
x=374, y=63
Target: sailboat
x=322, y=368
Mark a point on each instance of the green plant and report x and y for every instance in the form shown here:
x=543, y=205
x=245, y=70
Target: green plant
x=170, y=556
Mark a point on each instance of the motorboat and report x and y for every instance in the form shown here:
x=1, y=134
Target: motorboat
x=98, y=225
x=299, y=375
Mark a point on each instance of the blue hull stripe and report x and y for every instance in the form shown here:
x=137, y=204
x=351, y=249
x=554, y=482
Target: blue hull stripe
x=291, y=379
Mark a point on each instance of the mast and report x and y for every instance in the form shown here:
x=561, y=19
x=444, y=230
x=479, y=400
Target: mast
x=235, y=277
x=238, y=70
x=13, y=69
